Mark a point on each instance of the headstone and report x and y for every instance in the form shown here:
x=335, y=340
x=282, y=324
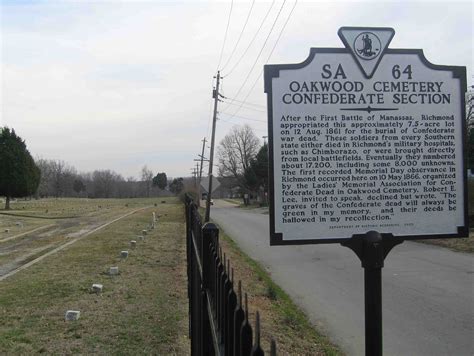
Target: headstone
x=72, y=315
x=144, y=232
x=113, y=271
x=133, y=244
x=97, y=288
x=124, y=254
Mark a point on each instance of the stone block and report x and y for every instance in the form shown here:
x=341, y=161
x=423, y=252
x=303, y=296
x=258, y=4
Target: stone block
x=124, y=254
x=113, y=271
x=72, y=315
x=133, y=243
x=97, y=288
x=144, y=232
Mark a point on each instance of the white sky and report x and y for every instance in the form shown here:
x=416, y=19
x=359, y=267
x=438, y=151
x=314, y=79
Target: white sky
x=120, y=84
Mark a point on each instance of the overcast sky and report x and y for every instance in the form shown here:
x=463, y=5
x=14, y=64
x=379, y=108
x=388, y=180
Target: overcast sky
x=120, y=84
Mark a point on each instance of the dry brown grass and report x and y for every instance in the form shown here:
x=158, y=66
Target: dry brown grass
x=279, y=317
x=141, y=311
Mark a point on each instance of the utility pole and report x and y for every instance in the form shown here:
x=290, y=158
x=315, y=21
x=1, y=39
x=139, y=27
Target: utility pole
x=200, y=170
x=198, y=181
x=202, y=158
x=194, y=173
x=215, y=95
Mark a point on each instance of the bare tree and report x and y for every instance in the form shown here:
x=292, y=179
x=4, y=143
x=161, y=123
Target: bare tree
x=470, y=126
x=46, y=177
x=147, y=179
x=57, y=178
x=103, y=183
x=236, y=151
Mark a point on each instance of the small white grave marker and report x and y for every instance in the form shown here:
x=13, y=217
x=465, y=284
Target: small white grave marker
x=124, y=254
x=97, y=288
x=72, y=315
x=133, y=244
x=113, y=271
x=144, y=232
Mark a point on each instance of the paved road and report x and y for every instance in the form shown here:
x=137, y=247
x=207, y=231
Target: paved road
x=428, y=291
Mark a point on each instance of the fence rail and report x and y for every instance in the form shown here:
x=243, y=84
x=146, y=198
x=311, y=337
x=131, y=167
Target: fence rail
x=218, y=316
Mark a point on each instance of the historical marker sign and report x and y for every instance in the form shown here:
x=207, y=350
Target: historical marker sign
x=366, y=138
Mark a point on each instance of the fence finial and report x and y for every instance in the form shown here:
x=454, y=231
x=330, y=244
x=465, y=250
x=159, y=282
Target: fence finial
x=246, y=332
x=240, y=293
x=257, y=349
x=246, y=309
x=273, y=348
x=257, y=328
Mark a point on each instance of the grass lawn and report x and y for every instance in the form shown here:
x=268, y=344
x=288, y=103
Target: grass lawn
x=143, y=310
x=461, y=244
x=280, y=318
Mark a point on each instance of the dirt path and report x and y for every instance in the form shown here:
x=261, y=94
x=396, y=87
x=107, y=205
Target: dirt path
x=26, y=233
x=29, y=248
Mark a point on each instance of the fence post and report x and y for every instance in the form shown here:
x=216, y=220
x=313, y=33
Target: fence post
x=209, y=231
x=220, y=312
x=229, y=318
x=189, y=256
x=257, y=349
x=246, y=332
x=239, y=317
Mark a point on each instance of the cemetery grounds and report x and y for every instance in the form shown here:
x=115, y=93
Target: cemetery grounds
x=53, y=250
x=143, y=310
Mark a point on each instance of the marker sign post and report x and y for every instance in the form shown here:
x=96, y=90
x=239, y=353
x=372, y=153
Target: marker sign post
x=366, y=148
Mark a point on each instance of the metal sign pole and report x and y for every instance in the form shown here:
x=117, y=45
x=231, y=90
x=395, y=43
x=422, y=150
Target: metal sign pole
x=372, y=248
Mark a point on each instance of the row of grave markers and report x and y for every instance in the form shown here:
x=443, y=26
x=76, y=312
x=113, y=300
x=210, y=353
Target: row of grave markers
x=97, y=288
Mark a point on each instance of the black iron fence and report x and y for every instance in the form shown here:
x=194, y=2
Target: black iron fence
x=218, y=316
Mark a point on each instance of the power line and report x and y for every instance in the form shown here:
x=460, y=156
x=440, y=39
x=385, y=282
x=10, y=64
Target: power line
x=241, y=117
x=261, y=50
x=268, y=59
x=247, y=103
x=234, y=123
x=246, y=107
x=240, y=36
x=225, y=35
x=251, y=41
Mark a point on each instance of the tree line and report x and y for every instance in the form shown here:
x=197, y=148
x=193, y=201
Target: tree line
x=22, y=176
x=59, y=179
